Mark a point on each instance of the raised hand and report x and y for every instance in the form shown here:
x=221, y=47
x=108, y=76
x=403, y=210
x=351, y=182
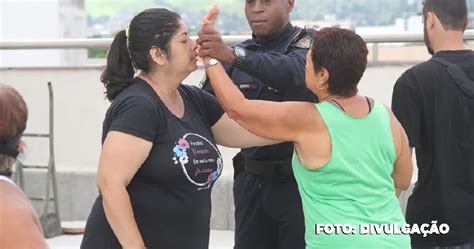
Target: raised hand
x=209, y=20
x=210, y=41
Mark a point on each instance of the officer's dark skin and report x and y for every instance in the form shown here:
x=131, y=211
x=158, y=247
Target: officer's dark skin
x=266, y=19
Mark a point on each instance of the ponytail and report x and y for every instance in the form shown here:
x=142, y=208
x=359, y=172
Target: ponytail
x=150, y=28
x=119, y=72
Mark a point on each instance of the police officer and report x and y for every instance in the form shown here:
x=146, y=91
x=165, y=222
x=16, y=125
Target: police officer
x=270, y=66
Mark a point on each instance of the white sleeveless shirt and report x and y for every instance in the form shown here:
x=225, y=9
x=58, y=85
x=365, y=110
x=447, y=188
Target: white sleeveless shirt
x=4, y=178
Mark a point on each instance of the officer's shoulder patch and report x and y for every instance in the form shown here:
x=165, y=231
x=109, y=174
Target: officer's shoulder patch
x=304, y=42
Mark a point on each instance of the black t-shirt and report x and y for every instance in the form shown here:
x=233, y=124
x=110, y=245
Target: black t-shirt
x=439, y=119
x=171, y=192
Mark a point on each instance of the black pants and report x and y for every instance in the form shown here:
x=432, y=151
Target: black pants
x=465, y=246
x=268, y=213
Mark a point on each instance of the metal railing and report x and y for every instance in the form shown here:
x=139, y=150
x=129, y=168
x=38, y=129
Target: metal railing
x=228, y=39
x=86, y=43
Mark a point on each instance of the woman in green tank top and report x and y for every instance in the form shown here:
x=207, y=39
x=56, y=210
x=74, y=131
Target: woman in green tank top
x=351, y=155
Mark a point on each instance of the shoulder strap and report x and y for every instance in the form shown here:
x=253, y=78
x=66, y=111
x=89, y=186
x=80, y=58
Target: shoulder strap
x=458, y=75
x=370, y=103
x=337, y=105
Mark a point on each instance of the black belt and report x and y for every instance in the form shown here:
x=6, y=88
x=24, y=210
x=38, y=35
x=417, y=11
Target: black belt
x=273, y=169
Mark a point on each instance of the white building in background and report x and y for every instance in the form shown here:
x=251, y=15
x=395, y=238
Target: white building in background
x=42, y=19
x=319, y=24
x=411, y=24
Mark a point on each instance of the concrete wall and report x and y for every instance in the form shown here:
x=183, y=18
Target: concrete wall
x=77, y=192
x=79, y=111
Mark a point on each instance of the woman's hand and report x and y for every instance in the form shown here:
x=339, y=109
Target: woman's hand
x=209, y=20
x=208, y=24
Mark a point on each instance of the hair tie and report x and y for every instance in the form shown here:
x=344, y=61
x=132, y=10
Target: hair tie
x=127, y=32
x=127, y=35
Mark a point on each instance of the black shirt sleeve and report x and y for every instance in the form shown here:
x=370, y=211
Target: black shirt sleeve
x=279, y=71
x=135, y=116
x=407, y=107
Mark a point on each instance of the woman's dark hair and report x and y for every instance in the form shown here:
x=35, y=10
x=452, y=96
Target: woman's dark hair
x=13, y=117
x=151, y=28
x=343, y=54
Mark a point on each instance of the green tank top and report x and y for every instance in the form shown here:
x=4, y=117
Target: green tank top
x=355, y=187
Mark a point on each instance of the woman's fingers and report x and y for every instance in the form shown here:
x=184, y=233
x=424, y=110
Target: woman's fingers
x=210, y=18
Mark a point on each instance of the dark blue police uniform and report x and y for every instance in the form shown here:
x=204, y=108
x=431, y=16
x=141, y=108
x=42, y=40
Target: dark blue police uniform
x=268, y=210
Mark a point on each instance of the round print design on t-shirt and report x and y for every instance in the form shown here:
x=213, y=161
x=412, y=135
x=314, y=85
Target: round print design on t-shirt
x=199, y=159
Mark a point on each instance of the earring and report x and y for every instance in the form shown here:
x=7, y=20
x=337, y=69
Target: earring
x=320, y=86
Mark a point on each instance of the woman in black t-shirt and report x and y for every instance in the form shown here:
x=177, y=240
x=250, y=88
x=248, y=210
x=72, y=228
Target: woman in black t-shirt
x=159, y=158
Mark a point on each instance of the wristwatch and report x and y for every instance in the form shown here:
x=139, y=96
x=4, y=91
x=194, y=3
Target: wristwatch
x=211, y=62
x=240, y=55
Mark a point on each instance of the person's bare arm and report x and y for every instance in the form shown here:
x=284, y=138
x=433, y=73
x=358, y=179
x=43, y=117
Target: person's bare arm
x=403, y=168
x=282, y=121
x=19, y=224
x=229, y=133
x=121, y=157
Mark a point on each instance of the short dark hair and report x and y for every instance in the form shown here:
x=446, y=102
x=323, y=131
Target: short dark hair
x=451, y=13
x=151, y=28
x=343, y=54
